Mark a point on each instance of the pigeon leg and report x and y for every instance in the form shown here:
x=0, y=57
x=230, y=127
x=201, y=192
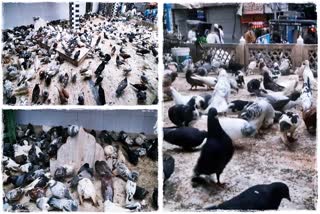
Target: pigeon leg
x=284, y=138
x=94, y=201
x=80, y=199
x=219, y=183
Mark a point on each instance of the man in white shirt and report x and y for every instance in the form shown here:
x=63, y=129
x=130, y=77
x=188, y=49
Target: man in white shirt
x=192, y=36
x=214, y=36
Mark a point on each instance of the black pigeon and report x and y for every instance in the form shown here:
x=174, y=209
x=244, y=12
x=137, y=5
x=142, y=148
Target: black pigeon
x=125, y=55
x=258, y=197
x=102, y=97
x=105, y=35
x=139, y=87
x=143, y=51
x=186, y=137
x=86, y=167
x=168, y=166
x=193, y=82
x=253, y=86
x=76, y=55
x=98, y=80
x=102, y=169
x=35, y=93
x=98, y=41
x=113, y=50
x=81, y=99
x=60, y=174
x=107, y=58
x=269, y=83
x=100, y=68
x=155, y=198
x=118, y=61
x=154, y=52
x=122, y=85
x=216, y=152
x=141, y=97
x=65, y=80
x=48, y=80
x=140, y=193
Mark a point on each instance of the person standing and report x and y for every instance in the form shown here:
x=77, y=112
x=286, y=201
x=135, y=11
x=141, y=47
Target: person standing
x=250, y=36
x=192, y=36
x=221, y=34
x=214, y=36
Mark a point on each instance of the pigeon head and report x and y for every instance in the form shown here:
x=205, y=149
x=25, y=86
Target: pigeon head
x=52, y=182
x=305, y=63
x=281, y=190
x=248, y=130
x=213, y=113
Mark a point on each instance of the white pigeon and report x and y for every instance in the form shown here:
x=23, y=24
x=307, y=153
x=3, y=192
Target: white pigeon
x=219, y=99
x=180, y=99
x=210, y=82
x=285, y=67
x=10, y=164
x=308, y=77
x=42, y=203
x=252, y=67
x=86, y=190
x=130, y=191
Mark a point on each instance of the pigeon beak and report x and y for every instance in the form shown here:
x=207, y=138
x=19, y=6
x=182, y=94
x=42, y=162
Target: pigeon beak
x=289, y=198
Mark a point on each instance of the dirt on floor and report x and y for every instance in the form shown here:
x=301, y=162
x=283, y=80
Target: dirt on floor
x=257, y=160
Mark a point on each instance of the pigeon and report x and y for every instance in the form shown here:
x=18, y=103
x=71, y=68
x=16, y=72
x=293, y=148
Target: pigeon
x=288, y=124
x=130, y=191
x=168, y=166
x=140, y=193
x=236, y=106
x=216, y=152
x=100, y=68
x=86, y=190
x=269, y=83
x=37, y=192
x=35, y=93
x=122, y=85
x=59, y=190
x=185, y=137
x=258, y=197
x=76, y=55
x=182, y=115
x=98, y=80
x=63, y=204
x=113, y=50
x=193, y=82
x=42, y=204
x=102, y=168
x=14, y=195
x=260, y=113
x=139, y=87
x=102, y=98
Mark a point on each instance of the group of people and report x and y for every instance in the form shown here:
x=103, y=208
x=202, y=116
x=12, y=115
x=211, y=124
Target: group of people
x=215, y=36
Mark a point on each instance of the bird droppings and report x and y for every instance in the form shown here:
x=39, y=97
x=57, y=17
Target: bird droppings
x=257, y=160
x=145, y=169
x=116, y=32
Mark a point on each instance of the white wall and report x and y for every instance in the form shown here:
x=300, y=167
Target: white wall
x=132, y=121
x=16, y=14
